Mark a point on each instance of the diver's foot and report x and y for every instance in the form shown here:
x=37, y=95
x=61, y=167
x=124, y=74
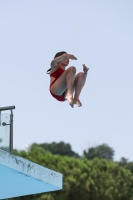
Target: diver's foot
x=79, y=104
x=69, y=98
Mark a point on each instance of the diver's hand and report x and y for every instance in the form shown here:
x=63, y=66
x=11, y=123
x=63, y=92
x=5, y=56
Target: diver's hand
x=85, y=69
x=70, y=56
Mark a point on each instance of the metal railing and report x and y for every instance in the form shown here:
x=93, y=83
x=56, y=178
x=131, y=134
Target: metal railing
x=10, y=124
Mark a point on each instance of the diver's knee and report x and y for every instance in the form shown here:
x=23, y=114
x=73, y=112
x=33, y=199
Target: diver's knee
x=73, y=69
x=81, y=75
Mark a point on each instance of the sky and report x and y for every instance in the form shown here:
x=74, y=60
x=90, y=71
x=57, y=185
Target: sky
x=100, y=35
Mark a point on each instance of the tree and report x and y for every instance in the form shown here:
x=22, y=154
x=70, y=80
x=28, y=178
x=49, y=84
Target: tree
x=60, y=148
x=83, y=179
x=123, y=161
x=101, y=151
x=127, y=165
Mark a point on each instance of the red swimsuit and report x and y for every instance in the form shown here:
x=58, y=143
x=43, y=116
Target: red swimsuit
x=56, y=74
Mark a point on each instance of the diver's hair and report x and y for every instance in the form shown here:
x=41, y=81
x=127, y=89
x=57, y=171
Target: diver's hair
x=56, y=55
x=59, y=54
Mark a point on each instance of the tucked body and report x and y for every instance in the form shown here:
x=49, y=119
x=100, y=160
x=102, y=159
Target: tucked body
x=65, y=84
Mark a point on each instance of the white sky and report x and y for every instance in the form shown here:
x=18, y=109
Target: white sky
x=99, y=34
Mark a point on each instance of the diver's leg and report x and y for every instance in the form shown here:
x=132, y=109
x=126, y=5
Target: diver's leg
x=79, y=83
x=65, y=82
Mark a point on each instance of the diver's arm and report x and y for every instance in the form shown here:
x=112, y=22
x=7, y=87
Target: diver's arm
x=57, y=59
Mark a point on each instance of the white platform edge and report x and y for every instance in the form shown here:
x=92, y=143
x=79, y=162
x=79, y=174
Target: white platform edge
x=31, y=169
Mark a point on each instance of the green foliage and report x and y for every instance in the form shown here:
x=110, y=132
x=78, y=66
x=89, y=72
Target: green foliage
x=60, y=148
x=83, y=179
x=101, y=151
x=123, y=161
x=127, y=165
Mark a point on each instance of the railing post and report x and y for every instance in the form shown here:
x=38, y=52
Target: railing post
x=0, y=117
x=11, y=124
x=11, y=131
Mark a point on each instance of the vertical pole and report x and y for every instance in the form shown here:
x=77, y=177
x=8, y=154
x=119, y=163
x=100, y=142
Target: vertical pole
x=11, y=131
x=0, y=118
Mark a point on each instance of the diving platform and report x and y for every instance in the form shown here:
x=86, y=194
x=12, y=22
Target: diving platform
x=19, y=176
